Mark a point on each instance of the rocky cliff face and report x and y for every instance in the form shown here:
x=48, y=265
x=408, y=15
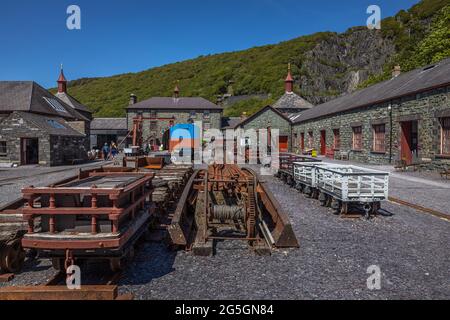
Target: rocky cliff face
x=340, y=63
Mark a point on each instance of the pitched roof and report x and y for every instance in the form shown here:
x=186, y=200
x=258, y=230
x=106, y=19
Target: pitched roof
x=71, y=101
x=416, y=81
x=109, y=124
x=230, y=122
x=290, y=100
x=55, y=126
x=260, y=112
x=175, y=104
x=31, y=97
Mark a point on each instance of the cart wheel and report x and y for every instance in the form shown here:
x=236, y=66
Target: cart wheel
x=58, y=264
x=375, y=207
x=291, y=182
x=336, y=205
x=329, y=201
x=12, y=257
x=117, y=264
x=315, y=194
x=323, y=199
x=344, y=208
x=308, y=192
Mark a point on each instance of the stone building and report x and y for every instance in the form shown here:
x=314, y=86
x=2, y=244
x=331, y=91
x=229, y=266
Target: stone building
x=291, y=103
x=161, y=113
x=280, y=115
x=405, y=118
x=270, y=118
x=107, y=130
x=37, y=127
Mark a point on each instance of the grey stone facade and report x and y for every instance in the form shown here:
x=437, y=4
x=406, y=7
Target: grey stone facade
x=155, y=129
x=53, y=149
x=269, y=118
x=425, y=108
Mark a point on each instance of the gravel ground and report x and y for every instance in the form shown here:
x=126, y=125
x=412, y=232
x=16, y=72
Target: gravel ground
x=411, y=249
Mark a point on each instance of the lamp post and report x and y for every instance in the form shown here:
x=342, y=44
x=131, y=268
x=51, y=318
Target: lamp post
x=390, y=132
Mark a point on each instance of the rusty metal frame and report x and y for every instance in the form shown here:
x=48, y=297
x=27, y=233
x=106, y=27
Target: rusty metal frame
x=114, y=240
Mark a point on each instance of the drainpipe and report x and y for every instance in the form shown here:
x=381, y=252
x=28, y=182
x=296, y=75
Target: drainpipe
x=390, y=134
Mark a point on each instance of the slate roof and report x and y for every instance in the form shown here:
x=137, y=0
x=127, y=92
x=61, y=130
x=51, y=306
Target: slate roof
x=71, y=101
x=413, y=82
x=55, y=126
x=109, y=124
x=260, y=112
x=176, y=104
x=29, y=96
x=290, y=100
x=230, y=122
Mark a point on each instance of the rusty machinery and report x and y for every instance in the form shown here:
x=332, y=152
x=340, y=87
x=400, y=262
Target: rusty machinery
x=226, y=202
x=99, y=214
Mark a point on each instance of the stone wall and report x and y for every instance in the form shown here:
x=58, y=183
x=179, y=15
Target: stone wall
x=12, y=129
x=63, y=150
x=270, y=118
x=53, y=150
x=426, y=108
x=179, y=117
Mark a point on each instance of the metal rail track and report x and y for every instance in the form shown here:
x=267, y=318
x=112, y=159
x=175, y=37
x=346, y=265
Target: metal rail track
x=432, y=212
x=54, y=290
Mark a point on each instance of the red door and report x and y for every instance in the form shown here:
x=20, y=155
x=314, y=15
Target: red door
x=323, y=142
x=284, y=144
x=302, y=141
x=408, y=140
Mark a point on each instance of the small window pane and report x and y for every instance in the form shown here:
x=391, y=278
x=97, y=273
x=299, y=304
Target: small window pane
x=446, y=136
x=3, y=148
x=379, y=136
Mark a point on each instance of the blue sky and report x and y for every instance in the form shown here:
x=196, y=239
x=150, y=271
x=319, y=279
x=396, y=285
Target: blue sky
x=120, y=36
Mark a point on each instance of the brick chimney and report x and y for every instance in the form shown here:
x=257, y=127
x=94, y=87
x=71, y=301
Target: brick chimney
x=133, y=99
x=289, y=82
x=396, y=71
x=62, y=82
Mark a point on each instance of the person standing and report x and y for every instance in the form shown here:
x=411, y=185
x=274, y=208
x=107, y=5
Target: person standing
x=114, y=150
x=105, y=151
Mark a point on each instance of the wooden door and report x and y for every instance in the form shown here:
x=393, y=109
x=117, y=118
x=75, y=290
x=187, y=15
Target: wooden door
x=284, y=144
x=323, y=142
x=406, y=149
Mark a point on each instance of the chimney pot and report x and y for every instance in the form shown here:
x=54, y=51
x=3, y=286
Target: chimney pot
x=396, y=71
x=133, y=99
x=176, y=91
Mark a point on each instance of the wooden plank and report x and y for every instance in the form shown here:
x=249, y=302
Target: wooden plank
x=53, y=293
